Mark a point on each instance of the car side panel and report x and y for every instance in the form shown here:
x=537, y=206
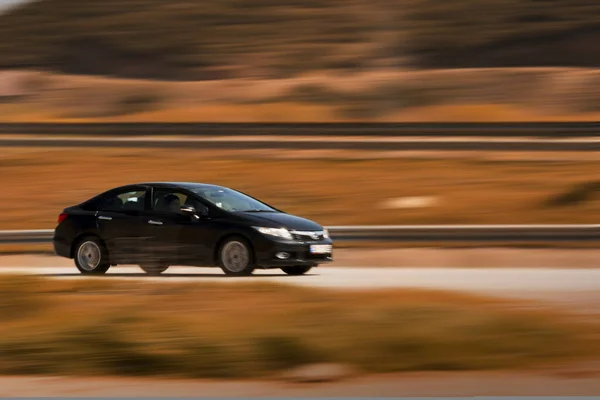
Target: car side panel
x=197, y=242
x=123, y=235
x=122, y=229
x=77, y=224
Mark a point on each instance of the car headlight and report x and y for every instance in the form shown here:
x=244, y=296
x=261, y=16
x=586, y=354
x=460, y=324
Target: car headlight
x=278, y=232
x=325, y=233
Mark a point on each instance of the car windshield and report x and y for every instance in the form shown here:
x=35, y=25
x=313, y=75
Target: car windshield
x=231, y=200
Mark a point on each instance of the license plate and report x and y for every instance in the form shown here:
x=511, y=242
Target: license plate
x=320, y=249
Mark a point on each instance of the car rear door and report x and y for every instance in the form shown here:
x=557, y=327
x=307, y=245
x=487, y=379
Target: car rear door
x=120, y=219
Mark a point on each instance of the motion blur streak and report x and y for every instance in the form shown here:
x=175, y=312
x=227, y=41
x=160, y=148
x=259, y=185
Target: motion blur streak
x=452, y=148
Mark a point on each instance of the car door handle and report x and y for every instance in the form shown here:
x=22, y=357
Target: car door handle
x=105, y=218
x=152, y=222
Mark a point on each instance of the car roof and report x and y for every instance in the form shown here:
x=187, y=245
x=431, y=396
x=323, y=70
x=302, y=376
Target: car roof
x=185, y=185
x=171, y=185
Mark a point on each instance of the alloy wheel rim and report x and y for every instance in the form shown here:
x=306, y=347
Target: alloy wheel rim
x=89, y=256
x=235, y=256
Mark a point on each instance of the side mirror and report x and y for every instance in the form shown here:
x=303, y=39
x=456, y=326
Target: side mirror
x=189, y=211
x=192, y=212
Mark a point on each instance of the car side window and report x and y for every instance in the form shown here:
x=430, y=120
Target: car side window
x=128, y=201
x=170, y=201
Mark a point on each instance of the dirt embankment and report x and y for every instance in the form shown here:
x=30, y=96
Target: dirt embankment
x=392, y=95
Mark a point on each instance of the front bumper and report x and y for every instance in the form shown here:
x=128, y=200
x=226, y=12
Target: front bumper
x=299, y=254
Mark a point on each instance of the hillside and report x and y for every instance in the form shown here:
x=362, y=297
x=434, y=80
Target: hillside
x=220, y=39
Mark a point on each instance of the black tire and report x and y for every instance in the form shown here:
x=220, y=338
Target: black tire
x=296, y=270
x=236, y=257
x=154, y=269
x=91, y=256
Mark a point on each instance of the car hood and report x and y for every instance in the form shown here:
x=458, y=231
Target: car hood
x=281, y=220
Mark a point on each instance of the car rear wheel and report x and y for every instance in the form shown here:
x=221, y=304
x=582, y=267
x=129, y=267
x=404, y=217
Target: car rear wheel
x=297, y=270
x=91, y=257
x=154, y=269
x=235, y=257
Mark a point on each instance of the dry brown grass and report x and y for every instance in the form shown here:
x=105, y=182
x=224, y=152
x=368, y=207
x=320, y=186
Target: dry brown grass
x=299, y=112
x=37, y=184
x=203, y=330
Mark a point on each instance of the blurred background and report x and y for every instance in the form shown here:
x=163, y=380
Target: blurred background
x=304, y=61
x=299, y=60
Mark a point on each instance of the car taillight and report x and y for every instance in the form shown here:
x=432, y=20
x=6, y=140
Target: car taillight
x=62, y=217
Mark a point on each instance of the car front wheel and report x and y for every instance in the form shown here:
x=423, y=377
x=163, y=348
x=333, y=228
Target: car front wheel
x=91, y=257
x=298, y=270
x=235, y=257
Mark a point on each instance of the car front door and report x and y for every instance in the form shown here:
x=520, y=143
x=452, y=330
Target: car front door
x=121, y=225
x=177, y=237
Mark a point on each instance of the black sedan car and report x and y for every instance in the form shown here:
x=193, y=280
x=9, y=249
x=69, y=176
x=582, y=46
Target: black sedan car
x=155, y=225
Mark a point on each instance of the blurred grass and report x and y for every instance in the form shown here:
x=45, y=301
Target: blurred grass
x=209, y=330
x=41, y=182
x=373, y=102
x=581, y=193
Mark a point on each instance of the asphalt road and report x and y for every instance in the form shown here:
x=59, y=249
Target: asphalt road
x=553, y=382
x=577, y=288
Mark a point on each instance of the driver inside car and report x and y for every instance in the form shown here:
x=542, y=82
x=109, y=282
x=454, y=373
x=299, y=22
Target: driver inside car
x=172, y=203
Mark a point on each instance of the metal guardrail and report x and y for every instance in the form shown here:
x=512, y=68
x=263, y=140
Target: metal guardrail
x=26, y=236
x=517, y=129
x=468, y=233
x=584, y=136
x=408, y=233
